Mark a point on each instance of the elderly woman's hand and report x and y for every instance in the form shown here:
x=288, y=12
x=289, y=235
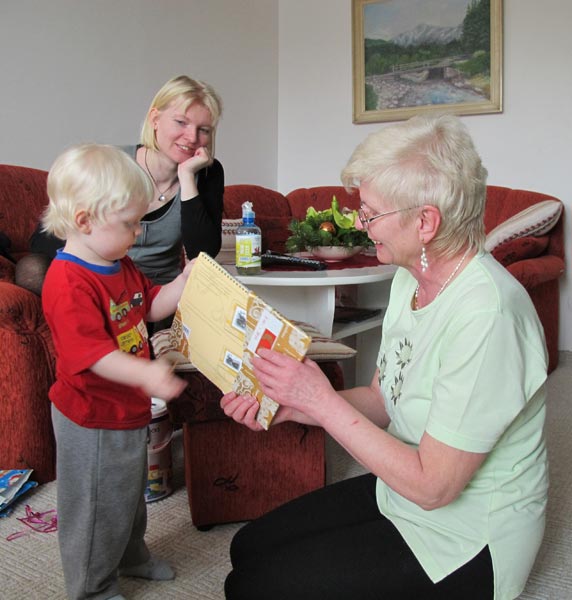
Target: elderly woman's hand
x=241, y=409
x=301, y=386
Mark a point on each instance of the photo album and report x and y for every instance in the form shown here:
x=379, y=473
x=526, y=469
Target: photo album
x=219, y=327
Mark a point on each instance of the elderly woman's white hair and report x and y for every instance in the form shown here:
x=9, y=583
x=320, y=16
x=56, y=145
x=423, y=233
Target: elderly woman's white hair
x=427, y=160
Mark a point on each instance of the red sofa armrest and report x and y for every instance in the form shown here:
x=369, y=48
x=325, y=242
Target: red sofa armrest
x=26, y=374
x=535, y=271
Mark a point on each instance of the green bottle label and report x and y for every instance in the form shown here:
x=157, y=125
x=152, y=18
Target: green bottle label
x=248, y=251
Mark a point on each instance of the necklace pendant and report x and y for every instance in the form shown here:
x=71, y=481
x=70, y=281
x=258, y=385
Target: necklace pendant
x=162, y=198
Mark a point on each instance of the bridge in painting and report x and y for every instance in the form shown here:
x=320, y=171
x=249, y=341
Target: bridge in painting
x=435, y=68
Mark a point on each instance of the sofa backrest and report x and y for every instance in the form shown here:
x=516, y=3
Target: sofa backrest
x=320, y=198
x=23, y=197
x=270, y=207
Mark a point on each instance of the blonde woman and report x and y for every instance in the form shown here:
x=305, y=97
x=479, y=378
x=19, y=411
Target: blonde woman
x=175, y=151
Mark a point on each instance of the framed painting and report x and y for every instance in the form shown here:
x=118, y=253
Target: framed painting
x=413, y=56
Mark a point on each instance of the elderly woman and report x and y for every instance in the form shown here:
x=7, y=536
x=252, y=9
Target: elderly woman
x=451, y=426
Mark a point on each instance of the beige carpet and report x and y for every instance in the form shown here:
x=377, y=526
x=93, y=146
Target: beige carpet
x=30, y=565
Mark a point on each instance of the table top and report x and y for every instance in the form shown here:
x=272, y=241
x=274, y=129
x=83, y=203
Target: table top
x=317, y=278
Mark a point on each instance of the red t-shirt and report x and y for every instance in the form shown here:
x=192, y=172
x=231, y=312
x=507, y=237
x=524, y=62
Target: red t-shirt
x=91, y=311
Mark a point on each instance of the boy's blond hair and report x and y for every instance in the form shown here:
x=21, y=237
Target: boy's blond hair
x=96, y=178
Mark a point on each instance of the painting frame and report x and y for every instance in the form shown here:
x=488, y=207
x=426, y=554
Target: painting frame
x=491, y=91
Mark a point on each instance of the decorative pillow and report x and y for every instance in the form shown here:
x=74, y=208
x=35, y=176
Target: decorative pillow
x=321, y=348
x=161, y=344
x=536, y=220
x=227, y=254
x=520, y=249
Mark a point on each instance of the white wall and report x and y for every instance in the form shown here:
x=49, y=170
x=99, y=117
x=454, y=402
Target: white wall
x=86, y=70
x=528, y=146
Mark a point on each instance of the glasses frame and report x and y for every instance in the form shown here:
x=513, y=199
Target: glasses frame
x=365, y=221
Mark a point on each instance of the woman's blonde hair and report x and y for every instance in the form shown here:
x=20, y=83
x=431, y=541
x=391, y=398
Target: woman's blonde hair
x=427, y=160
x=187, y=90
x=95, y=178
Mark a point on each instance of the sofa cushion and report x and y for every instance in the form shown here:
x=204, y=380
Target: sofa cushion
x=324, y=347
x=227, y=254
x=274, y=232
x=520, y=249
x=321, y=348
x=536, y=220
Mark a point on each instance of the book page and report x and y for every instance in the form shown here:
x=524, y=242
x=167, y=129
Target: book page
x=266, y=328
x=210, y=322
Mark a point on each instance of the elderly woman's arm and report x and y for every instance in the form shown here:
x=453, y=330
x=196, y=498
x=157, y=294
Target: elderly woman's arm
x=431, y=475
x=367, y=400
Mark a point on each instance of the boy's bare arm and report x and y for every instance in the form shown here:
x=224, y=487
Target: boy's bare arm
x=165, y=302
x=154, y=377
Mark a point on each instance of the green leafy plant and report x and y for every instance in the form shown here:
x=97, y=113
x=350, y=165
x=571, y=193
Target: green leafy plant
x=330, y=227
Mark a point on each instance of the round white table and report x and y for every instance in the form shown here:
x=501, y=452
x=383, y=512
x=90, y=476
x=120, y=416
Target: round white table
x=310, y=296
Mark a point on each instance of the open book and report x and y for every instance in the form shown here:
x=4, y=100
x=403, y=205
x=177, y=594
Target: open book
x=220, y=325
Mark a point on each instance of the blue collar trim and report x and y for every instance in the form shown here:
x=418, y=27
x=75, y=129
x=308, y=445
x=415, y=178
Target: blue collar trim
x=100, y=269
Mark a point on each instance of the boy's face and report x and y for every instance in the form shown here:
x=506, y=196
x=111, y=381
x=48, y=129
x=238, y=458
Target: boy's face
x=109, y=241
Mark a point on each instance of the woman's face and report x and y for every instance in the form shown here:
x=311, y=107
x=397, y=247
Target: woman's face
x=395, y=243
x=181, y=133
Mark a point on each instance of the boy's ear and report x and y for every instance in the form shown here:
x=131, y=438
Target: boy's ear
x=83, y=221
x=429, y=221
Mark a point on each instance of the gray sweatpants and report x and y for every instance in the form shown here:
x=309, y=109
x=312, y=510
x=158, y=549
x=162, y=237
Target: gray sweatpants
x=102, y=515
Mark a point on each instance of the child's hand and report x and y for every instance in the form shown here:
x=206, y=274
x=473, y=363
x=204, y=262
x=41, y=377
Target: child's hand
x=188, y=268
x=161, y=381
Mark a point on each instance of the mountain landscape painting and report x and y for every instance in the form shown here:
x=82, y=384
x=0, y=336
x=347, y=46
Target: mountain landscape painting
x=419, y=55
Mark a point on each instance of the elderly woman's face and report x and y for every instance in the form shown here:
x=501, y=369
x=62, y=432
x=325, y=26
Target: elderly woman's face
x=395, y=243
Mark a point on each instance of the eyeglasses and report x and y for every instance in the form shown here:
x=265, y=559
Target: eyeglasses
x=365, y=220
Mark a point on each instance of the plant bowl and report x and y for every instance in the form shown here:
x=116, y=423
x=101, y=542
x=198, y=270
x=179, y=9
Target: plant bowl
x=335, y=253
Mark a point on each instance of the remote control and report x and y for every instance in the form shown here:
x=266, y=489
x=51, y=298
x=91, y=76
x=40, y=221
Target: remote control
x=274, y=258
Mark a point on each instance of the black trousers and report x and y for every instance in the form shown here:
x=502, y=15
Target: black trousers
x=334, y=544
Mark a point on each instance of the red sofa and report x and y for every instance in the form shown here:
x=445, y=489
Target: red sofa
x=27, y=367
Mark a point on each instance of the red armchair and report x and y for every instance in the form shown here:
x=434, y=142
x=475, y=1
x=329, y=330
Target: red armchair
x=27, y=367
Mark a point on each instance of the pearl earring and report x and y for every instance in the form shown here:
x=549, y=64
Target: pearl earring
x=424, y=262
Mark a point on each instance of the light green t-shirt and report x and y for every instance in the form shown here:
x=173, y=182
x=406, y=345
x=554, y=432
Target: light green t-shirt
x=470, y=369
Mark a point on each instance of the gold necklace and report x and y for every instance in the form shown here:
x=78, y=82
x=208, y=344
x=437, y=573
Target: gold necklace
x=162, y=196
x=447, y=281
